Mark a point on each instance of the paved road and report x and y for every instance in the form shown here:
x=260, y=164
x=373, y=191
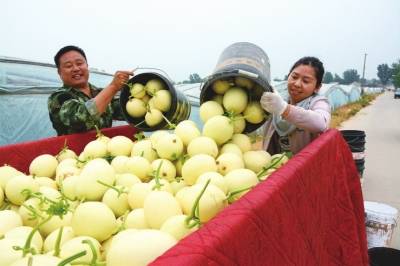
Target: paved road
x=381, y=179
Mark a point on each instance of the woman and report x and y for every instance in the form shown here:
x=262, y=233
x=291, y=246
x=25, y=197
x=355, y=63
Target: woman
x=295, y=124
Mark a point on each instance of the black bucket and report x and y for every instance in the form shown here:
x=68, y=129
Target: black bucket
x=360, y=166
x=245, y=60
x=383, y=256
x=179, y=110
x=355, y=139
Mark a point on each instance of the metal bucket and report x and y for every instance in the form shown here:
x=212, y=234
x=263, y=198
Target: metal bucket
x=242, y=59
x=179, y=110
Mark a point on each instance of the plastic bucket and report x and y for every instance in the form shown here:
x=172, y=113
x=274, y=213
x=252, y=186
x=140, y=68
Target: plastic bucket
x=382, y=256
x=355, y=139
x=380, y=221
x=242, y=59
x=180, y=105
x=360, y=166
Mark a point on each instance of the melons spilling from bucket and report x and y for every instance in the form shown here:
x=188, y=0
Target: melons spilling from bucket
x=149, y=101
x=236, y=98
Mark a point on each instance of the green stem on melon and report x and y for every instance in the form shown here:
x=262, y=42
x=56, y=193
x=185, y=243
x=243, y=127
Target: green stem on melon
x=5, y=206
x=64, y=148
x=72, y=258
x=139, y=136
x=150, y=93
x=37, y=195
x=30, y=261
x=27, y=247
x=123, y=226
x=61, y=186
x=130, y=86
x=273, y=163
x=178, y=179
x=56, y=208
x=231, y=195
x=98, y=132
x=232, y=115
x=158, y=185
x=118, y=190
x=57, y=248
x=32, y=212
x=94, y=261
x=81, y=163
x=194, y=218
x=170, y=125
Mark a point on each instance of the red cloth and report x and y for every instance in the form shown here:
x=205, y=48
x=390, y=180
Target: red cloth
x=20, y=155
x=309, y=212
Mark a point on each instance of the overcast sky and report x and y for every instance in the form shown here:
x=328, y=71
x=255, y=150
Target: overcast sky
x=184, y=37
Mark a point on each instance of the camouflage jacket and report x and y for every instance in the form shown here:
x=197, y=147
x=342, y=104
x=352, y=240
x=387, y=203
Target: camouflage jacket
x=72, y=111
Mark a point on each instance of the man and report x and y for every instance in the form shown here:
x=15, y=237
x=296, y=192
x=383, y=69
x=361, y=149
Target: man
x=78, y=106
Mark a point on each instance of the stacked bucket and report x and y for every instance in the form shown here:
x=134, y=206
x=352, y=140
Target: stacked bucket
x=356, y=141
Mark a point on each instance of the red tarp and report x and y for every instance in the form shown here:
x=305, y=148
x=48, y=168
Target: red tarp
x=20, y=155
x=310, y=212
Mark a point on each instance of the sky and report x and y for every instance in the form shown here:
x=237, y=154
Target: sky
x=184, y=37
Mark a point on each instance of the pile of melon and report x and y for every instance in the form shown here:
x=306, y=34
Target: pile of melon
x=237, y=99
x=125, y=202
x=148, y=101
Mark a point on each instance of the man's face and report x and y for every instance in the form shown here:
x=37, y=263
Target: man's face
x=74, y=70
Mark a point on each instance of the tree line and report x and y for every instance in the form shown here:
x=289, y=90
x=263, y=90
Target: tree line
x=390, y=75
x=386, y=74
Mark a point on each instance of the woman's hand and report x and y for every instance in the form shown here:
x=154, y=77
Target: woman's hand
x=272, y=102
x=120, y=78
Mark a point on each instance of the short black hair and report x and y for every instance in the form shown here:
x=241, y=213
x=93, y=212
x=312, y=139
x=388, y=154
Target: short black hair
x=314, y=63
x=66, y=49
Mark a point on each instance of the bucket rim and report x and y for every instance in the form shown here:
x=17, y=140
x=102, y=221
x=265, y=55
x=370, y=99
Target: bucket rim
x=205, y=89
x=229, y=74
x=380, y=211
x=350, y=132
x=124, y=96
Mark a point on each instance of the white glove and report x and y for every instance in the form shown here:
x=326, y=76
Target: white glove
x=272, y=102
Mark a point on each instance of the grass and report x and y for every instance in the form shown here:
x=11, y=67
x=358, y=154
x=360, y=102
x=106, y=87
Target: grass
x=346, y=111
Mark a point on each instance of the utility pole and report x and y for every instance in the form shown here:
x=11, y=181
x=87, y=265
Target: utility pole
x=363, y=75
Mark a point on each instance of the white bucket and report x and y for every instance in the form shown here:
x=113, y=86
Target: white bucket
x=380, y=220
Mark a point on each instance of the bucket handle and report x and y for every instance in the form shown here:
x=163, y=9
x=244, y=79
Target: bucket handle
x=154, y=68
x=248, y=73
x=238, y=71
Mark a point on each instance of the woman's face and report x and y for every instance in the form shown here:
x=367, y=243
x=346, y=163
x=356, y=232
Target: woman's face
x=302, y=83
x=74, y=70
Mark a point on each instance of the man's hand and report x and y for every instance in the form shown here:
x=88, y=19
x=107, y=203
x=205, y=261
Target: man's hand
x=120, y=78
x=105, y=96
x=272, y=102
